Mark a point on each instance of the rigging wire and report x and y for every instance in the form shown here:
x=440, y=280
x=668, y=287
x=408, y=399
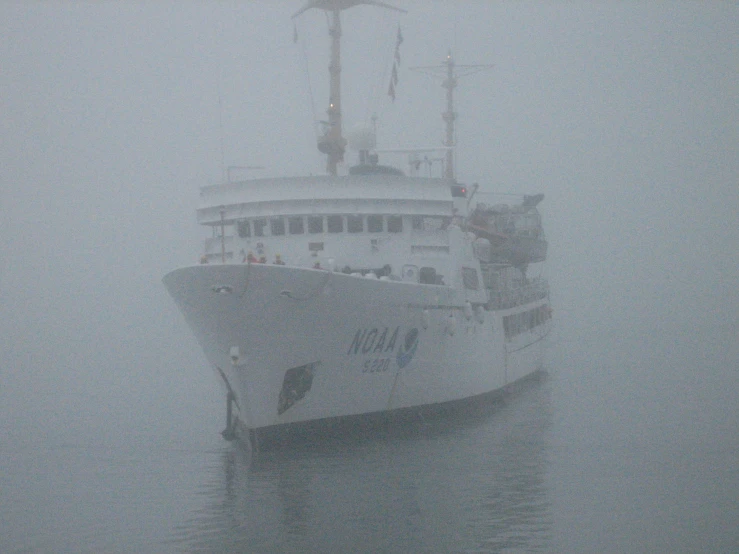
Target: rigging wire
x=380, y=70
x=219, y=90
x=304, y=49
x=220, y=125
x=455, y=54
x=381, y=81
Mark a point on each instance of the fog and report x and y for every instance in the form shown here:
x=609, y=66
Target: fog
x=623, y=114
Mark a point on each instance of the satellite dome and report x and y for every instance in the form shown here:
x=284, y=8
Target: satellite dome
x=361, y=137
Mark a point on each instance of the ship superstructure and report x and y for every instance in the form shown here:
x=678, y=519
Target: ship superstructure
x=330, y=297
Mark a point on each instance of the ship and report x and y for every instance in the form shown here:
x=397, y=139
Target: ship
x=366, y=294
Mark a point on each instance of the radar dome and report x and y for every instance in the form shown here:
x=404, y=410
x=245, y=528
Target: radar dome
x=361, y=137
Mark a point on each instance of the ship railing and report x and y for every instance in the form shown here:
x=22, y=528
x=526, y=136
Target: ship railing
x=218, y=249
x=213, y=244
x=510, y=297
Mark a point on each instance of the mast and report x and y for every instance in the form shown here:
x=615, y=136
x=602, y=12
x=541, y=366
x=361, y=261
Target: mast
x=447, y=70
x=332, y=142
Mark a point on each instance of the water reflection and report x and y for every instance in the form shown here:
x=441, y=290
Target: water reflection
x=474, y=482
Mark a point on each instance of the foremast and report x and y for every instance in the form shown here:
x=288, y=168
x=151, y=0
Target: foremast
x=332, y=142
x=451, y=73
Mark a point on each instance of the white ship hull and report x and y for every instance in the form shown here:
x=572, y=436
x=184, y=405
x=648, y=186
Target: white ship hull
x=299, y=345
x=423, y=306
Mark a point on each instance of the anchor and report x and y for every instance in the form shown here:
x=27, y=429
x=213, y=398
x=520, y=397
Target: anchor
x=229, y=433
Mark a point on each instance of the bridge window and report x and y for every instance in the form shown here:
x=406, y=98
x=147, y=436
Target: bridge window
x=335, y=224
x=259, y=225
x=295, y=224
x=374, y=223
x=315, y=224
x=469, y=278
x=427, y=275
x=354, y=223
x=428, y=223
x=277, y=226
x=394, y=224
x=243, y=228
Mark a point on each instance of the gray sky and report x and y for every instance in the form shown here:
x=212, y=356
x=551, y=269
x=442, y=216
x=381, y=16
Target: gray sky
x=624, y=114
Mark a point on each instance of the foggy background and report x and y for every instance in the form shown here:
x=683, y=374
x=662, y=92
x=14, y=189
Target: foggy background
x=623, y=114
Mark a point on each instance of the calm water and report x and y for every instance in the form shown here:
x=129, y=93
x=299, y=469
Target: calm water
x=627, y=446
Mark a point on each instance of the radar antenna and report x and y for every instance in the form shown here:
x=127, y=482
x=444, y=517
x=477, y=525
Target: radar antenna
x=332, y=142
x=451, y=72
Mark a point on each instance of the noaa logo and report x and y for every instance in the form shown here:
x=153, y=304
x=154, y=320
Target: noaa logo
x=408, y=348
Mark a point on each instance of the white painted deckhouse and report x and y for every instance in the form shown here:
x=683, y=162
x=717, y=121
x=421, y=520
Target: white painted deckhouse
x=336, y=298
